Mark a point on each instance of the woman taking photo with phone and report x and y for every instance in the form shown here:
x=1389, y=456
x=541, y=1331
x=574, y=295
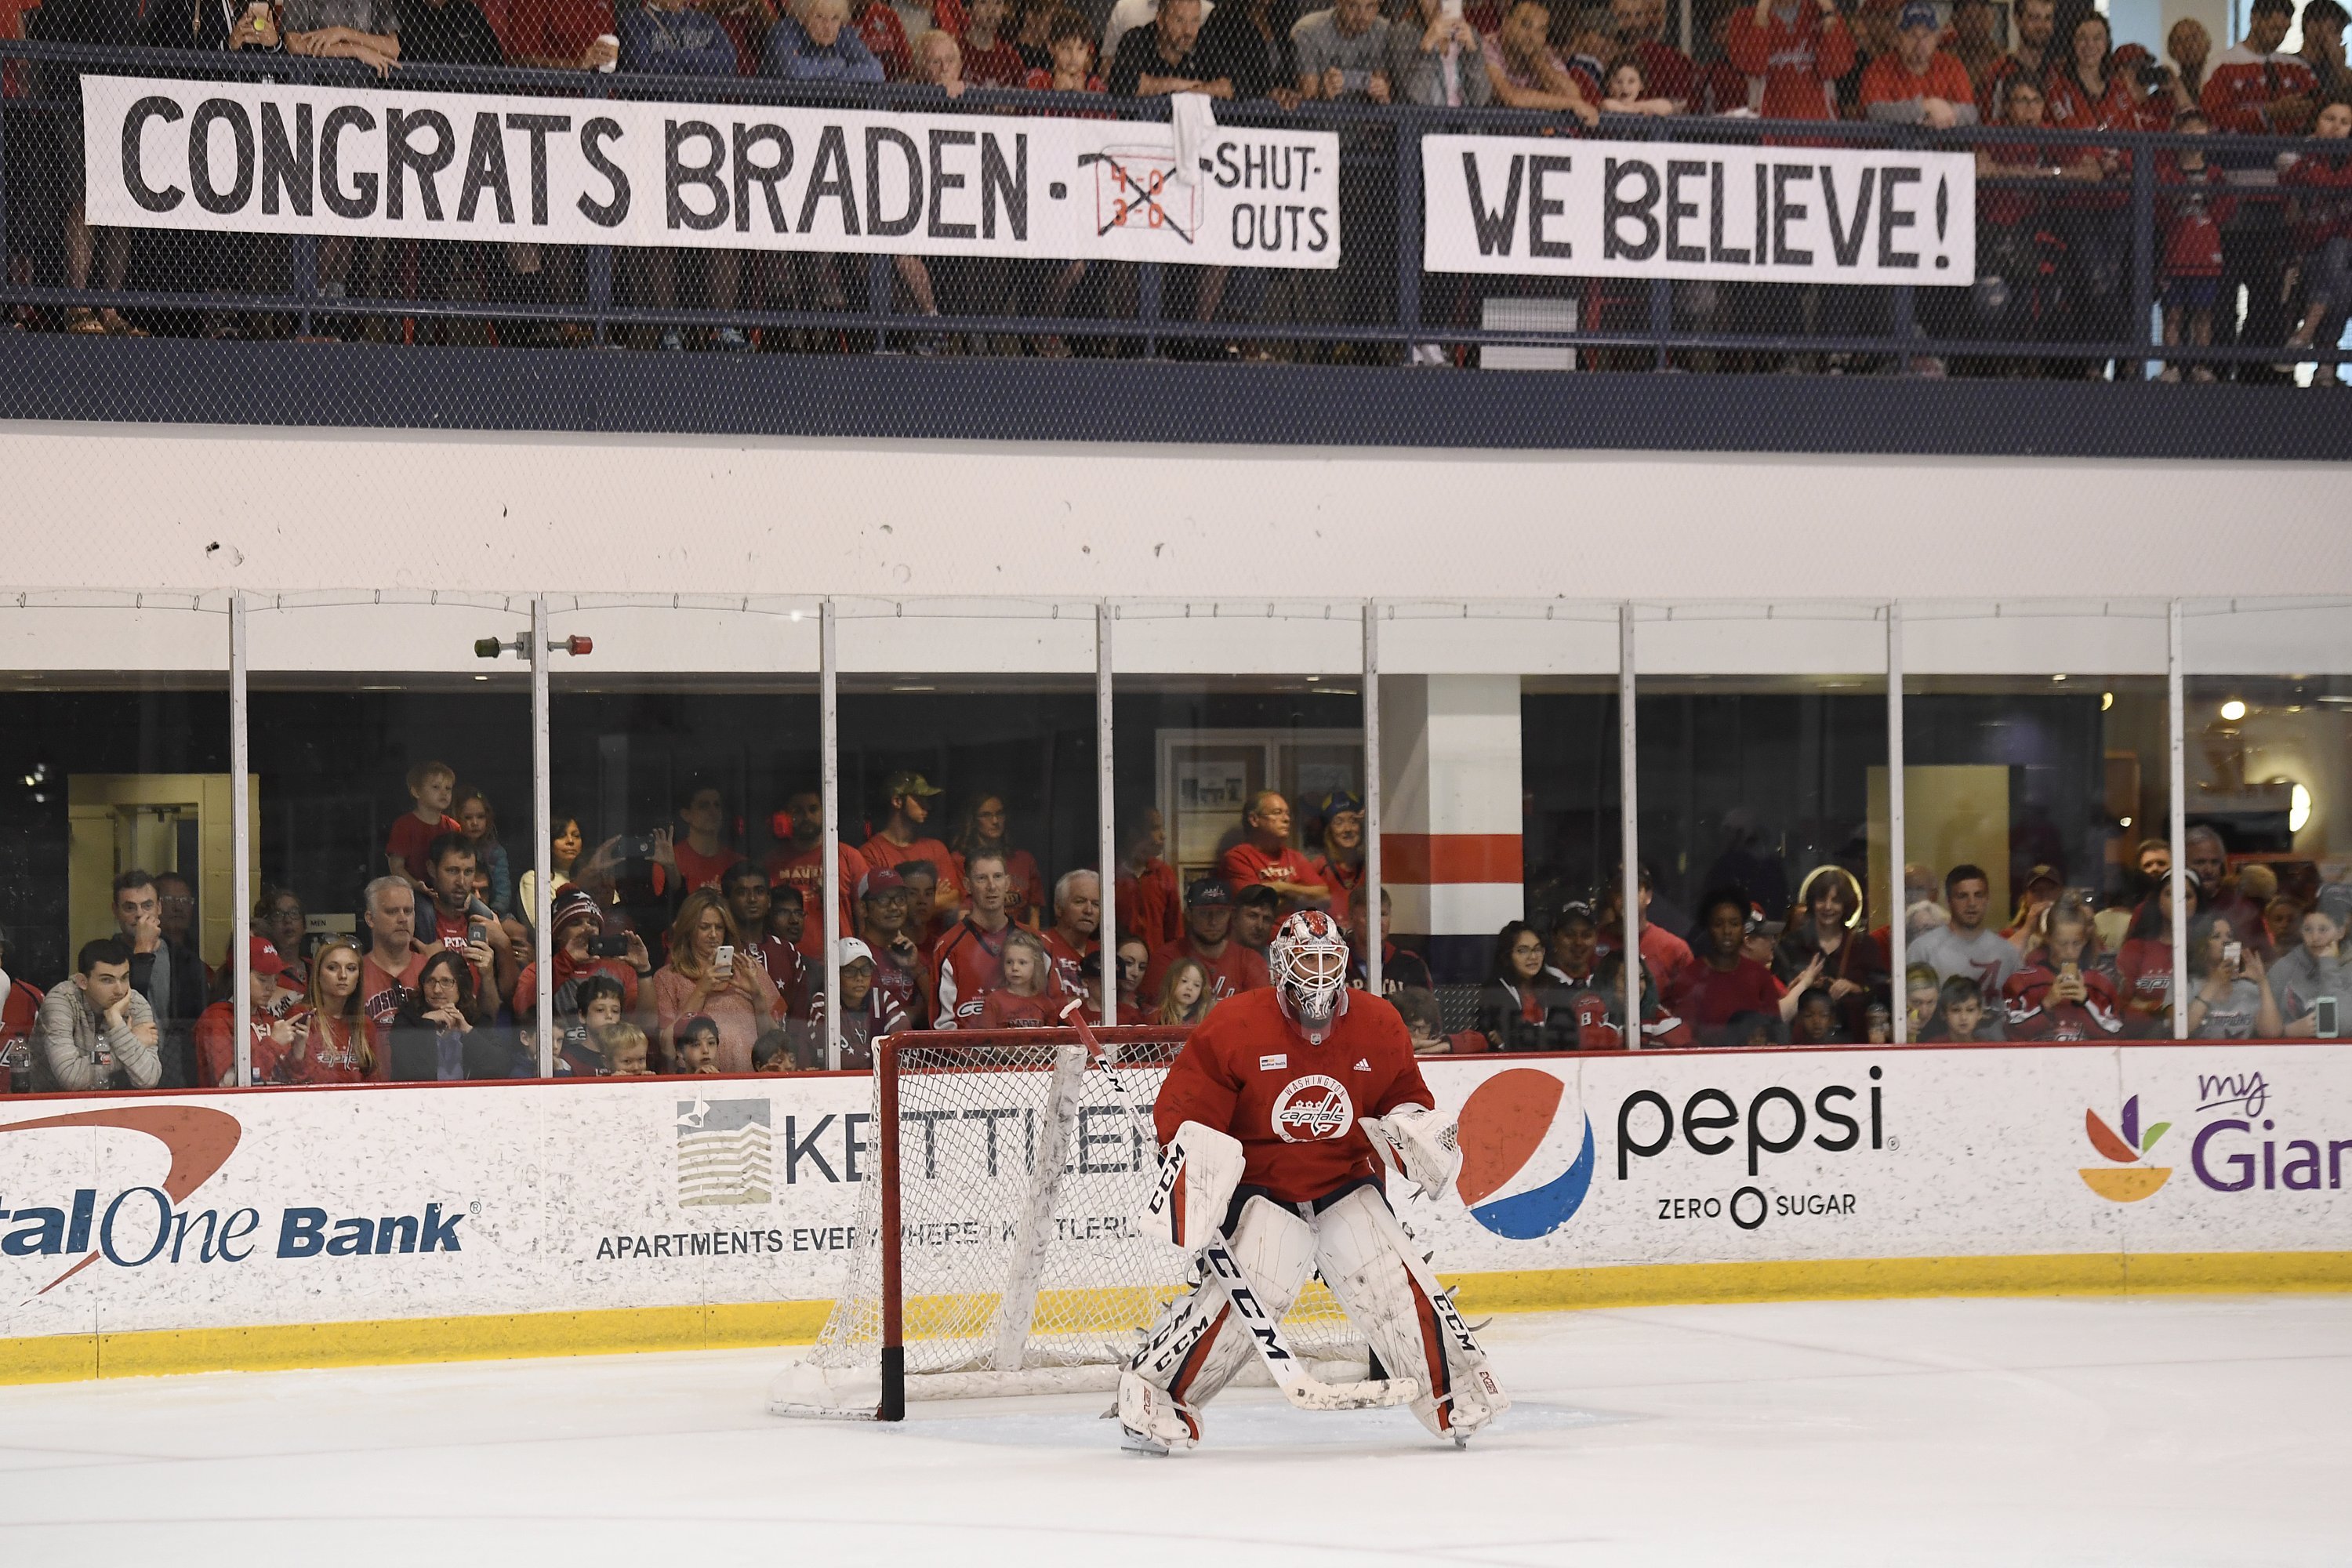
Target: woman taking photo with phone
x=706, y=976
x=2229, y=995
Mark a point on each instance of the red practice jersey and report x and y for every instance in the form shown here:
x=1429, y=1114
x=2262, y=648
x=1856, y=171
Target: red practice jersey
x=799, y=869
x=2034, y=1014
x=1246, y=864
x=1231, y=972
x=1148, y=905
x=1070, y=965
x=1248, y=1072
x=1001, y=1009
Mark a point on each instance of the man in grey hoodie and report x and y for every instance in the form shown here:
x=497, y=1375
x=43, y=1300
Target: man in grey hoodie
x=95, y=1031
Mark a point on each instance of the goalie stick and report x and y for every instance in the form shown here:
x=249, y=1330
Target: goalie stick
x=1298, y=1385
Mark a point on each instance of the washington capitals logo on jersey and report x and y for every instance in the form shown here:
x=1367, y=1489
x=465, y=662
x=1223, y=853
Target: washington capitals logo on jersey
x=1313, y=1109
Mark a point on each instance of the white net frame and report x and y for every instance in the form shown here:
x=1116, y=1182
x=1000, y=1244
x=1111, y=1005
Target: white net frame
x=1023, y=1263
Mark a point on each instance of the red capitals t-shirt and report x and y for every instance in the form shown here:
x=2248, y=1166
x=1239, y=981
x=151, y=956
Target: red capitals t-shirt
x=381, y=994
x=409, y=838
x=799, y=869
x=699, y=870
x=1244, y=864
x=1231, y=972
x=880, y=855
x=1003, y=1010
x=1070, y=965
x=1248, y=1072
x=999, y=64
x=1149, y=907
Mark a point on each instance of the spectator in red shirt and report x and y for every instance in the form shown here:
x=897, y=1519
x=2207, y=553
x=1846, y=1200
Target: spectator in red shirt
x=800, y=829
x=2063, y=992
x=272, y=1029
x=1799, y=48
x=991, y=59
x=702, y=857
x=1401, y=969
x=2322, y=179
x=922, y=880
x=1920, y=83
x=1066, y=46
x=1207, y=937
x=20, y=1006
x=1148, y=904
x=886, y=927
x=1641, y=32
x=964, y=961
x=908, y=797
x=1257, y=910
x=1025, y=996
x=388, y=976
x=560, y=35
x=1664, y=954
x=1722, y=982
x=2036, y=24
x=885, y=37
x=2144, y=962
x=1134, y=958
x=335, y=1041
x=430, y=785
x=1073, y=943
x=2258, y=90
x=1340, y=866
x=578, y=921
x=983, y=832
x=1264, y=856
x=451, y=913
x=2193, y=205
x=753, y=904
x=1186, y=993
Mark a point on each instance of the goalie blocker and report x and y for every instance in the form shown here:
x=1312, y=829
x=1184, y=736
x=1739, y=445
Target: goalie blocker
x=1268, y=1117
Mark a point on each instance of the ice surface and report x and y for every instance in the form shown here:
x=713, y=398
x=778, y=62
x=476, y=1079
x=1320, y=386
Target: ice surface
x=2165, y=1430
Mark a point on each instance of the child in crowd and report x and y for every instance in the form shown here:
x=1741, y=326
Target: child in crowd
x=1628, y=93
x=623, y=1048
x=1749, y=1028
x=939, y=59
x=1024, y=998
x=1817, y=1020
x=480, y=826
x=1877, y=1025
x=773, y=1052
x=698, y=1047
x=1961, y=1016
x=1069, y=42
x=990, y=58
x=2193, y=217
x=430, y=785
x=1185, y=997
x=1424, y=1021
x=2322, y=181
x=602, y=1003
x=1919, y=994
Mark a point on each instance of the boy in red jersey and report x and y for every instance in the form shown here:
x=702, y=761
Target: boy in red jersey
x=1267, y=1116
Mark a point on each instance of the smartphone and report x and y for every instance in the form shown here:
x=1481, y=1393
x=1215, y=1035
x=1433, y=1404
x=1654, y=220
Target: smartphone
x=608, y=947
x=2070, y=971
x=724, y=960
x=478, y=932
x=1450, y=9
x=2233, y=954
x=637, y=847
x=2323, y=1015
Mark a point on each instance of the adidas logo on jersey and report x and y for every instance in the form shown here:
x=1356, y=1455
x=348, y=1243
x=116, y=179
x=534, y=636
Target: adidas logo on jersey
x=1363, y=1066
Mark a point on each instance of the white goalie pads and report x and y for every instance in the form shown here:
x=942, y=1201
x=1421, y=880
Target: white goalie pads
x=1390, y=1293
x=1425, y=1146
x=1198, y=1174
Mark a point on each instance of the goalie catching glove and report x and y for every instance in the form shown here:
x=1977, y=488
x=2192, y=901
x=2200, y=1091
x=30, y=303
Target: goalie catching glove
x=1425, y=1146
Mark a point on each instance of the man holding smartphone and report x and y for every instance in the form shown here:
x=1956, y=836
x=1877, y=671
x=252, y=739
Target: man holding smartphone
x=457, y=919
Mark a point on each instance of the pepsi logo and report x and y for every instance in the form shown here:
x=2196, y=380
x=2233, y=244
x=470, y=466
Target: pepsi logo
x=1526, y=1154
x=1313, y=1109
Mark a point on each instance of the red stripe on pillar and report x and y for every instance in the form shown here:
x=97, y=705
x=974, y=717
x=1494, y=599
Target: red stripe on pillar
x=1428, y=858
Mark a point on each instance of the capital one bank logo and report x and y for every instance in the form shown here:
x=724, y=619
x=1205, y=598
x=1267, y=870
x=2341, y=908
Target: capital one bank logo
x=1526, y=1156
x=198, y=1139
x=2127, y=1177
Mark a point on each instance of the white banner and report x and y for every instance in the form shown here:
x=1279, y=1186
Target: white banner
x=275, y=158
x=1654, y=209
x=366, y=1205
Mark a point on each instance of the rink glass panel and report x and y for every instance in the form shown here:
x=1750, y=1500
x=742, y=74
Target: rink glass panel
x=115, y=712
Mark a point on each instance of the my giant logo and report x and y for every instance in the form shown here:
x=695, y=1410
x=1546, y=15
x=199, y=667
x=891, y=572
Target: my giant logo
x=1526, y=1166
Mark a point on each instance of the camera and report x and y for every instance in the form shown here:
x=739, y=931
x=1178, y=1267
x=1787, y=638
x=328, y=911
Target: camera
x=637, y=847
x=608, y=947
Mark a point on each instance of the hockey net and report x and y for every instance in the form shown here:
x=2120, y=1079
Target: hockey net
x=1019, y=1261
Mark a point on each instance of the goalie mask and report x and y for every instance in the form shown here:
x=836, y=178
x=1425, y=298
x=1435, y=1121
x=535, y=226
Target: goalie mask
x=1309, y=960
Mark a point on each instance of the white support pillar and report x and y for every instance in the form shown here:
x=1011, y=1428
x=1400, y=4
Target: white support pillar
x=1106, y=815
x=1371, y=887
x=240, y=839
x=544, y=852
x=829, y=787
x=1629, y=826
x=2176, y=705
x=1898, y=1006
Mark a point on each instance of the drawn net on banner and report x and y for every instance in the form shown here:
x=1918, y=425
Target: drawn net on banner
x=1025, y=1264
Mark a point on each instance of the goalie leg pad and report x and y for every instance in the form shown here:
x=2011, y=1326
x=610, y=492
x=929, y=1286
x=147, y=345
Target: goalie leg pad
x=1196, y=1348
x=1198, y=1174
x=1379, y=1279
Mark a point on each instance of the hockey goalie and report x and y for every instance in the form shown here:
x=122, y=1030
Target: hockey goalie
x=1274, y=1123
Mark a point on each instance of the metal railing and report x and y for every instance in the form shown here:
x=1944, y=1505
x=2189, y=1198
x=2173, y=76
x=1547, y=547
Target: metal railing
x=2075, y=321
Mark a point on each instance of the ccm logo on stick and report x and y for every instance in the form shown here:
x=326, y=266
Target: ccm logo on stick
x=1709, y=1115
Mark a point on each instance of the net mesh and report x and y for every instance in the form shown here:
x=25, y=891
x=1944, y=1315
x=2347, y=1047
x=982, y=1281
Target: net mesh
x=1022, y=1181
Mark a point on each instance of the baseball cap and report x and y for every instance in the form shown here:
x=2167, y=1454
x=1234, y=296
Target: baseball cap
x=1917, y=13
x=874, y=884
x=2044, y=874
x=852, y=949
x=2131, y=54
x=263, y=957
x=905, y=782
x=1338, y=801
x=1209, y=892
